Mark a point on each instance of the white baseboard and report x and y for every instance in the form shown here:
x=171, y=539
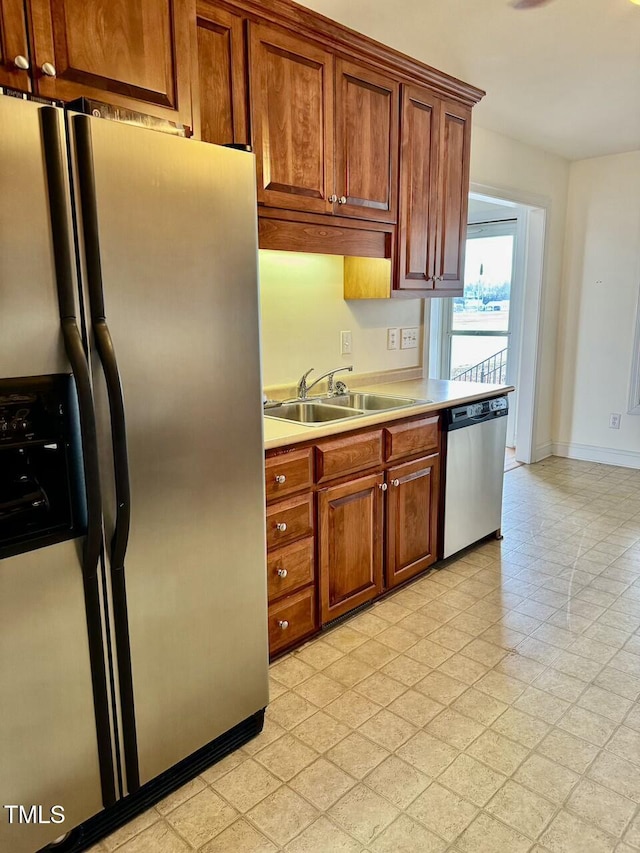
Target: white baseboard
x=542, y=451
x=592, y=453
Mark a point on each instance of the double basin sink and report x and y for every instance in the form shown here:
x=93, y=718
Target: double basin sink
x=321, y=410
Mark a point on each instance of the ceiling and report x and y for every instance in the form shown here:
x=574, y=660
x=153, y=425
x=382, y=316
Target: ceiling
x=564, y=77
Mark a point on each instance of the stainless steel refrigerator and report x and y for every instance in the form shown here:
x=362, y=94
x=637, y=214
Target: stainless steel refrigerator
x=133, y=626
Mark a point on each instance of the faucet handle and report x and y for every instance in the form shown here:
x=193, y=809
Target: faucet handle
x=302, y=384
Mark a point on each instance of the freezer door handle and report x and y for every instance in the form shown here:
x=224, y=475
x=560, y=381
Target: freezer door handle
x=56, y=170
x=55, y=158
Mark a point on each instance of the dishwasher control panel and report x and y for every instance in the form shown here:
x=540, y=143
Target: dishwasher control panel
x=473, y=413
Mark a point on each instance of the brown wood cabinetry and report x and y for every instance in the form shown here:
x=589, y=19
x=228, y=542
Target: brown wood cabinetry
x=366, y=143
x=292, y=117
x=412, y=518
x=130, y=53
x=14, y=46
x=350, y=545
x=434, y=183
x=454, y=152
x=377, y=494
x=220, y=110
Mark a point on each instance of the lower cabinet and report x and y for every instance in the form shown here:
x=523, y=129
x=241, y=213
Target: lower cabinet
x=350, y=544
x=412, y=518
x=292, y=619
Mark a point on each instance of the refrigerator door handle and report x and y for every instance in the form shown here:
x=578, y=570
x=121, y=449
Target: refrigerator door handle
x=107, y=356
x=55, y=160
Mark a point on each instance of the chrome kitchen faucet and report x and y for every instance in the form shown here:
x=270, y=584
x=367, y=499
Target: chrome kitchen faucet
x=303, y=388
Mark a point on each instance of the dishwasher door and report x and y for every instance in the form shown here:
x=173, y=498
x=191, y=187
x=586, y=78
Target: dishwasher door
x=475, y=471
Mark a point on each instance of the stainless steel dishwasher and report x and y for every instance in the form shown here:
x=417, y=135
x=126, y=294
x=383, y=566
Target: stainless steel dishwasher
x=475, y=469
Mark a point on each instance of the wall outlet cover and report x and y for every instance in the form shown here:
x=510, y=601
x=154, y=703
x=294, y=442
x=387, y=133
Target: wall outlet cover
x=409, y=337
x=614, y=420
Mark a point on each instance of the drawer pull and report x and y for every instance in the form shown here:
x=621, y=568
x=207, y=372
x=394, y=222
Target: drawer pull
x=282, y=573
x=382, y=486
x=395, y=483
x=280, y=478
x=281, y=526
x=283, y=624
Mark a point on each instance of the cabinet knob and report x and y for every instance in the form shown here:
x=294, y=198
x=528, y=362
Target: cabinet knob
x=281, y=526
x=382, y=486
x=280, y=478
x=438, y=278
x=283, y=624
x=342, y=199
x=21, y=62
x=333, y=198
x=48, y=69
x=282, y=573
x=395, y=483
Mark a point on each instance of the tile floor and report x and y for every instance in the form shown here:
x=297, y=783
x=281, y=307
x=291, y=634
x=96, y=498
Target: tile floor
x=490, y=707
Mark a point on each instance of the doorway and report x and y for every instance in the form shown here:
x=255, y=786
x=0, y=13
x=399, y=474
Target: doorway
x=482, y=336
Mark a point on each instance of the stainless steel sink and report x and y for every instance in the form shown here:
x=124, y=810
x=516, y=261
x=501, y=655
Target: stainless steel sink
x=370, y=402
x=312, y=412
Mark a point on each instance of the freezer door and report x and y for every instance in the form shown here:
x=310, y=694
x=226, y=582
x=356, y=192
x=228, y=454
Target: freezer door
x=176, y=240
x=48, y=740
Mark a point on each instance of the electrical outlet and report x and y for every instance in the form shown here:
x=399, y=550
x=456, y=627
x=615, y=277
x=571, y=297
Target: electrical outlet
x=392, y=338
x=346, y=347
x=409, y=338
x=614, y=420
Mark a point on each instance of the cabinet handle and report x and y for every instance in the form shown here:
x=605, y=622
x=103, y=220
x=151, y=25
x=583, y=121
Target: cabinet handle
x=280, y=478
x=48, y=69
x=281, y=526
x=21, y=62
x=333, y=198
x=282, y=573
x=342, y=199
x=395, y=483
x=438, y=278
x=283, y=624
x=383, y=486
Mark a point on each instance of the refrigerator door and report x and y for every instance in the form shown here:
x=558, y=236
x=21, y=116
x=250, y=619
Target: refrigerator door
x=48, y=743
x=169, y=231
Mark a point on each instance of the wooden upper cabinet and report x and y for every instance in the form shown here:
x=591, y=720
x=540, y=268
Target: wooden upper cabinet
x=350, y=545
x=412, y=518
x=291, y=89
x=453, y=195
x=130, y=53
x=221, y=106
x=418, y=189
x=14, y=47
x=366, y=143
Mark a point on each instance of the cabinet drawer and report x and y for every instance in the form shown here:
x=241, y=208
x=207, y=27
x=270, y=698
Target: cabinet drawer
x=410, y=438
x=347, y=455
x=289, y=520
x=290, y=568
x=291, y=619
x=288, y=473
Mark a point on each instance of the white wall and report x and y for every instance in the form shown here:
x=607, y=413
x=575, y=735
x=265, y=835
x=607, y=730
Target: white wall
x=303, y=313
x=599, y=305
x=524, y=173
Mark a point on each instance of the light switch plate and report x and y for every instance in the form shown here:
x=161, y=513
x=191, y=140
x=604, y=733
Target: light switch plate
x=346, y=344
x=393, y=338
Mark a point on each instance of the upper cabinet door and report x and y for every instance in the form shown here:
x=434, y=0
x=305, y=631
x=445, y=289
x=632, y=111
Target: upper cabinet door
x=221, y=105
x=131, y=53
x=418, y=189
x=291, y=83
x=366, y=143
x=453, y=195
x=14, y=49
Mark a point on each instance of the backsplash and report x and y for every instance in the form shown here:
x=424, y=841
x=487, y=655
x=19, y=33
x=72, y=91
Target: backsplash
x=303, y=312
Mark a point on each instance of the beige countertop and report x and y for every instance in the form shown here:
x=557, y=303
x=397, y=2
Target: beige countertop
x=440, y=394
